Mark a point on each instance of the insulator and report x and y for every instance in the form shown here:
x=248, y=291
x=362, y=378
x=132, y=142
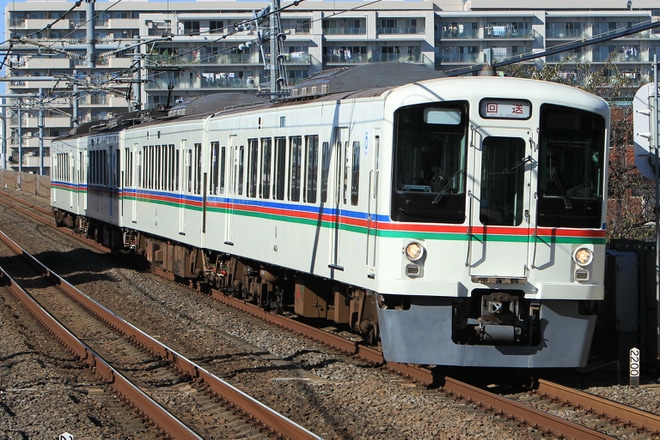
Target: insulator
x=281, y=36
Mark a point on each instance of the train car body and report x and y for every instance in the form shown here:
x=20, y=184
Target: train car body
x=69, y=180
x=463, y=218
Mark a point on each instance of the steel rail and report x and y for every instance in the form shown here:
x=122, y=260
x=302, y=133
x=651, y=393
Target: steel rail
x=419, y=374
x=170, y=425
x=624, y=413
x=531, y=416
x=265, y=415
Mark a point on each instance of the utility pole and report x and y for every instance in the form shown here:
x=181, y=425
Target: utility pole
x=41, y=132
x=90, y=40
x=654, y=132
x=136, y=103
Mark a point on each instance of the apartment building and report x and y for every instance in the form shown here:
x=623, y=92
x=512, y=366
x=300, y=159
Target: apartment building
x=62, y=67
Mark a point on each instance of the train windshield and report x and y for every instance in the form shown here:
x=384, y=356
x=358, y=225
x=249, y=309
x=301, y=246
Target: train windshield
x=571, y=167
x=429, y=163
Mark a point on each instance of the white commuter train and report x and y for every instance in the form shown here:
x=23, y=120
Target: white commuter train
x=461, y=220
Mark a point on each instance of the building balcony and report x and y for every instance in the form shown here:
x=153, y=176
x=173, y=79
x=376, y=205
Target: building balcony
x=460, y=58
x=42, y=23
x=403, y=30
x=459, y=33
x=375, y=58
x=123, y=23
x=566, y=34
x=29, y=141
x=31, y=158
x=48, y=63
x=195, y=57
x=345, y=31
x=221, y=81
x=504, y=32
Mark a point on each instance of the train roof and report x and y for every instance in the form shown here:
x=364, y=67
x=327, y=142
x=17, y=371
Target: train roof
x=355, y=81
x=209, y=104
x=363, y=77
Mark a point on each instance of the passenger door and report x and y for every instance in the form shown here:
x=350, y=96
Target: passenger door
x=342, y=191
x=232, y=188
x=372, y=146
x=501, y=200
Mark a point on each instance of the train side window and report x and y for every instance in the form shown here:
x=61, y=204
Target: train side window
x=266, y=163
x=67, y=167
x=127, y=167
x=223, y=155
x=279, y=168
x=241, y=167
x=158, y=167
x=104, y=168
x=93, y=168
x=213, y=172
x=355, y=178
x=176, y=170
x=173, y=168
x=325, y=170
x=167, y=168
x=139, y=169
x=312, y=165
x=90, y=177
x=253, y=167
x=198, y=168
x=82, y=172
x=188, y=172
x=295, y=147
x=150, y=168
x=164, y=167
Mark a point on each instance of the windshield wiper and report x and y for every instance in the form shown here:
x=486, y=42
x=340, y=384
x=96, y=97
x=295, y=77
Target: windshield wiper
x=443, y=190
x=521, y=162
x=562, y=191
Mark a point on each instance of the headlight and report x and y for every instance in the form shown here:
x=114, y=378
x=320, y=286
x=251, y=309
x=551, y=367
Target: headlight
x=583, y=256
x=414, y=251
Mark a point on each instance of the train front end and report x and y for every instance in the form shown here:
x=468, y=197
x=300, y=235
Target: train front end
x=493, y=249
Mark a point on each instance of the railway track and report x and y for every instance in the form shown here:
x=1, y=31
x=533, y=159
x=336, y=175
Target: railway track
x=520, y=411
x=607, y=415
x=180, y=397
x=599, y=418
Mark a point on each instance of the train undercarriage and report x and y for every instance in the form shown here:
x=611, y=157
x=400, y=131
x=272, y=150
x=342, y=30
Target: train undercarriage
x=268, y=286
x=271, y=287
